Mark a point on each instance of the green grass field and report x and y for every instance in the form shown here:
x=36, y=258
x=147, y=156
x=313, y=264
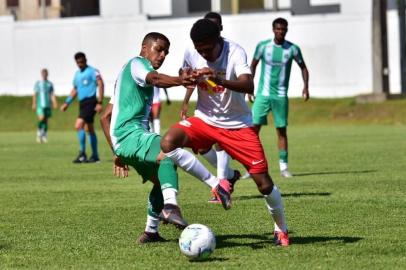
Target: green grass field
x=346, y=204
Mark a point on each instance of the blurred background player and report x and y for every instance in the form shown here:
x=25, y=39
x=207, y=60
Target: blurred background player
x=222, y=115
x=85, y=84
x=41, y=103
x=155, y=120
x=216, y=156
x=276, y=55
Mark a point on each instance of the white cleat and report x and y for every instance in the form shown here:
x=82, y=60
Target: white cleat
x=286, y=174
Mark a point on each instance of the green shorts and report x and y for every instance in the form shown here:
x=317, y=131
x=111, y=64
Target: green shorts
x=143, y=160
x=263, y=105
x=46, y=112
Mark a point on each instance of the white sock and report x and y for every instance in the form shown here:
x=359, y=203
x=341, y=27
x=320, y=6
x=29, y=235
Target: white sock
x=190, y=164
x=275, y=208
x=211, y=157
x=169, y=195
x=152, y=224
x=222, y=164
x=157, y=125
x=283, y=165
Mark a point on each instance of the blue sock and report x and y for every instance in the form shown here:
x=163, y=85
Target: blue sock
x=82, y=140
x=93, y=143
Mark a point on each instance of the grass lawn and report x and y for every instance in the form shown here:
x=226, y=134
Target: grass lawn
x=345, y=205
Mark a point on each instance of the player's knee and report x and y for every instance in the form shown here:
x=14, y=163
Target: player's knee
x=167, y=144
x=265, y=185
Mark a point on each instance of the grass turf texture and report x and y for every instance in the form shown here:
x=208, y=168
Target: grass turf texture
x=345, y=206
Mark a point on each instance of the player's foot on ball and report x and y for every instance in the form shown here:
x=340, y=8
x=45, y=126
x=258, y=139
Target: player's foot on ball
x=281, y=238
x=81, y=158
x=214, y=200
x=148, y=237
x=286, y=174
x=171, y=214
x=222, y=193
x=93, y=159
x=246, y=175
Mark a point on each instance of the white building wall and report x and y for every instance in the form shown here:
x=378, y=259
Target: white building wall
x=336, y=48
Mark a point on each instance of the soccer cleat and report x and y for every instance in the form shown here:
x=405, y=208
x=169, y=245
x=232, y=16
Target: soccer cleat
x=222, y=193
x=281, y=238
x=171, y=214
x=93, y=159
x=44, y=139
x=81, y=158
x=286, y=174
x=148, y=237
x=39, y=139
x=232, y=181
x=213, y=200
x=246, y=175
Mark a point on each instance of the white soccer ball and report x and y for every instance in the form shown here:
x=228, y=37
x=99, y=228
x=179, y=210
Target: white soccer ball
x=197, y=242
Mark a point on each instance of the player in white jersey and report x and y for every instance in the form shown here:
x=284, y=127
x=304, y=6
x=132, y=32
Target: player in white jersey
x=155, y=120
x=277, y=55
x=41, y=103
x=216, y=156
x=222, y=115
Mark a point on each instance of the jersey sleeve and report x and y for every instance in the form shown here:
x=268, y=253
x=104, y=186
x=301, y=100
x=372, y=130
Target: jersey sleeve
x=259, y=51
x=140, y=67
x=36, y=87
x=97, y=75
x=187, y=58
x=51, y=88
x=239, y=60
x=297, y=55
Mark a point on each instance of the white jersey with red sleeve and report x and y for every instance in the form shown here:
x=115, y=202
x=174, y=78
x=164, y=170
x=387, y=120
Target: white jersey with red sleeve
x=227, y=109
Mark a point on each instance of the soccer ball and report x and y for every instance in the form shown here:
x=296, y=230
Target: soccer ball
x=197, y=242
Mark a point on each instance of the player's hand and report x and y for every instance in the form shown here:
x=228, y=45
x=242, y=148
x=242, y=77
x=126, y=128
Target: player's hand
x=251, y=98
x=64, y=107
x=98, y=108
x=120, y=169
x=186, y=76
x=305, y=94
x=183, y=111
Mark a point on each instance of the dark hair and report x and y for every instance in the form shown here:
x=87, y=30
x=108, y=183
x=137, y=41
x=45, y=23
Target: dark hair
x=213, y=15
x=154, y=36
x=204, y=29
x=279, y=21
x=79, y=55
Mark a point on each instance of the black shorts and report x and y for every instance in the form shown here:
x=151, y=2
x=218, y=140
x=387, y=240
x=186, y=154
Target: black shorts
x=86, y=109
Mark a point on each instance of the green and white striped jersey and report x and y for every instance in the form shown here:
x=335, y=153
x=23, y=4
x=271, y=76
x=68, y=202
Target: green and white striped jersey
x=43, y=92
x=275, y=67
x=132, y=101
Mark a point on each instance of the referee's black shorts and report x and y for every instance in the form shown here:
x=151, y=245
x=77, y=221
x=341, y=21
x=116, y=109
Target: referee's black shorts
x=86, y=109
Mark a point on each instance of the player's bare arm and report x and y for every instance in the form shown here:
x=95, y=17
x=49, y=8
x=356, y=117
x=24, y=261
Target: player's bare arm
x=54, y=101
x=69, y=99
x=119, y=168
x=164, y=81
x=34, y=102
x=305, y=76
x=100, y=86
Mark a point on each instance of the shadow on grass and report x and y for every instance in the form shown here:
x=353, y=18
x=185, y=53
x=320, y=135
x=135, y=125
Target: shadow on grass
x=4, y=246
x=296, y=194
x=333, y=172
x=304, y=240
x=210, y=259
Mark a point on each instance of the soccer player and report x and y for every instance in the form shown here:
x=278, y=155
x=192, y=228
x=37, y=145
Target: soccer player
x=276, y=55
x=85, y=83
x=156, y=110
x=125, y=124
x=41, y=103
x=222, y=116
x=216, y=156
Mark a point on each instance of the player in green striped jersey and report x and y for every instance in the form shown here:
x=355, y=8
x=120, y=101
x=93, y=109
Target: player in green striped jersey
x=277, y=55
x=42, y=99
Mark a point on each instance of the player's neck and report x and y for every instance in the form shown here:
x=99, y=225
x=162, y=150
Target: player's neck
x=278, y=42
x=82, y=69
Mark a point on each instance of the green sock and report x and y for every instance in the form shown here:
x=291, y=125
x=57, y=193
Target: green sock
x=155, y=202
x=168, y=177
x=283, y=156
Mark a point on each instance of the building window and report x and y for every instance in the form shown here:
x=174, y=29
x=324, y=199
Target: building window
x=74, y=8
x=47, y=2
x=199, y=6
x=12, y=3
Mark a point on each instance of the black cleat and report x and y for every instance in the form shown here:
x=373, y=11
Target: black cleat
x=93, y=159
x=81, y=158
x=171, y=214
x=148, y=237
x=223, y=194
x=235, y=178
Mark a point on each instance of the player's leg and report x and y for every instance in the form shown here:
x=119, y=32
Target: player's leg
x=245, y=146
x=93, y=143
x=81, y=134
x=47, y=115
x=172, y=144
x=280, y=115
x=155, y=206
x=40, y=125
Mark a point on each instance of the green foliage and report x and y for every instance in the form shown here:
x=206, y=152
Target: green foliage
x=345, y=205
